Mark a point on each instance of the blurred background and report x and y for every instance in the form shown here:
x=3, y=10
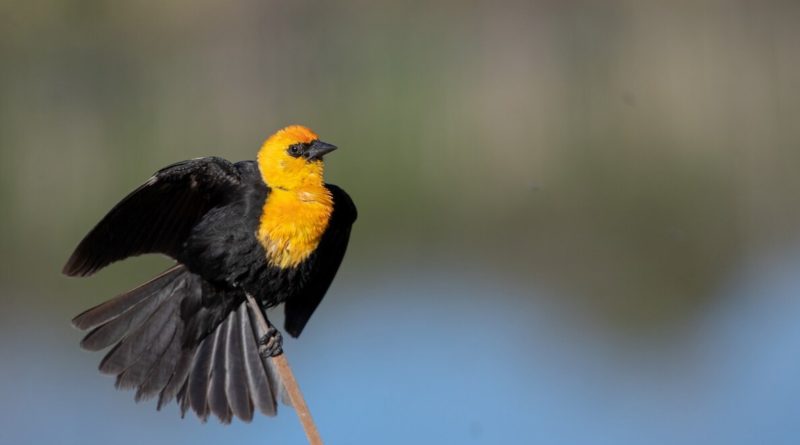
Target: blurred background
x=579, y=220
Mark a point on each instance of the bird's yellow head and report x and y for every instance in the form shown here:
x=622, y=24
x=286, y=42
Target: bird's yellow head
x=291, y=159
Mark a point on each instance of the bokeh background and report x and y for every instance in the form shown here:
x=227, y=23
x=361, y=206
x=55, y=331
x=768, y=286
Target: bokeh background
x=579, y=220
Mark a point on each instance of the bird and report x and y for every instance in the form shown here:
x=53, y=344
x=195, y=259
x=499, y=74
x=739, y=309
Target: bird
x=270, y=228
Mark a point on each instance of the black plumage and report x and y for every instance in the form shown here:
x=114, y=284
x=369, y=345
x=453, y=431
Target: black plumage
x=188, y=333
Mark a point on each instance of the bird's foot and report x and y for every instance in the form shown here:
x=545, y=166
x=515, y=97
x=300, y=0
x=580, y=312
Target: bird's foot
x=271, y=344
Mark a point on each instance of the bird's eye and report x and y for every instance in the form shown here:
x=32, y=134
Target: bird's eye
x=296, y=150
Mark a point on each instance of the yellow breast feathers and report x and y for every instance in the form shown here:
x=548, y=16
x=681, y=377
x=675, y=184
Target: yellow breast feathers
x=292, y=224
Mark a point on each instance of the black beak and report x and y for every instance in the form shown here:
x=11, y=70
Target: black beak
x=318, y=149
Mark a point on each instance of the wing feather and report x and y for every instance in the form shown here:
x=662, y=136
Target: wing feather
x=156, y=217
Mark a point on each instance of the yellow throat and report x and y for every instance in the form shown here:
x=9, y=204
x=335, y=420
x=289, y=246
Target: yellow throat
x=298, y=207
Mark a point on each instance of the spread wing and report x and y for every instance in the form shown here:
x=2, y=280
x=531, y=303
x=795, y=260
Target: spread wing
x=325, y=263
x=156, y=217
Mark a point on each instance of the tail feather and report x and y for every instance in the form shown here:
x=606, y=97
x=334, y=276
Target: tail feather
x=277, y=388
x=111, y=322
x=105, y=312
x=183, y=400
x=148, y=337
x=140, y=368
x=197, y=389
x=260, y=384
x=161, y=370
x=179, y=337
x=217, y=398
x=177, y=379
x=112, y=332
x=236, y=384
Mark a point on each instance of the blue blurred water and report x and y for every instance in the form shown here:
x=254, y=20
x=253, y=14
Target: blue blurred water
x=451, y=357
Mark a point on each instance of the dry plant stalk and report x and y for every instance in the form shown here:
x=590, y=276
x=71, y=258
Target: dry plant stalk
x=287, y=377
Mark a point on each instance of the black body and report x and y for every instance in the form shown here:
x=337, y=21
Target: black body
x=187, y=333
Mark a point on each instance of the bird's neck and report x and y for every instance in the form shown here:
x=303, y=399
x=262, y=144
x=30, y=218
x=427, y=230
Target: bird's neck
x=293, y=222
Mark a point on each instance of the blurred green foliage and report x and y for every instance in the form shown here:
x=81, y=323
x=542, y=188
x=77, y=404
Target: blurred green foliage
x=627, y=155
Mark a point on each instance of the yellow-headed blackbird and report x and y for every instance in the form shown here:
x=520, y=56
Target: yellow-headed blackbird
x=271, y=228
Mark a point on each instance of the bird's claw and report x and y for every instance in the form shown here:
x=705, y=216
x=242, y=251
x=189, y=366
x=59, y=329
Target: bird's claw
x=271, y=343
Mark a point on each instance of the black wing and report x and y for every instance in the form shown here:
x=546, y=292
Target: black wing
x=325, y=263
x=156, y=217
